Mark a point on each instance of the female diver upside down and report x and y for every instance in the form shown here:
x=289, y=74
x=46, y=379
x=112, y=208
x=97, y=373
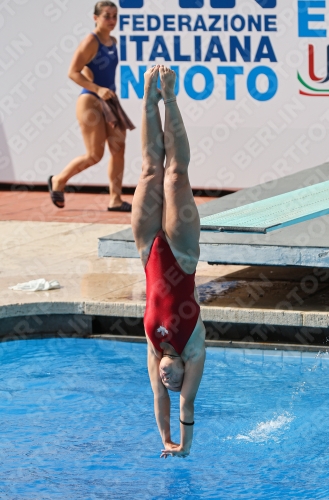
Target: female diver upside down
x=166, y=228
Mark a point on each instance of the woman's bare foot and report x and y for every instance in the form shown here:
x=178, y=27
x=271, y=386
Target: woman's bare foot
x=152, y=94
x=167, y=79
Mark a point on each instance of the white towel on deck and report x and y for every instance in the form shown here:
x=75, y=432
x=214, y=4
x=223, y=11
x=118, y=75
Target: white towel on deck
x=36, y=285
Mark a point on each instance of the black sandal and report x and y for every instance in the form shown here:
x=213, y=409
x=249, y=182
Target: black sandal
x=124, y=207
x=56, y=196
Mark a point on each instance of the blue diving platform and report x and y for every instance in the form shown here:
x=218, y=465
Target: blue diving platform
x=284, y=222
x=273, y=213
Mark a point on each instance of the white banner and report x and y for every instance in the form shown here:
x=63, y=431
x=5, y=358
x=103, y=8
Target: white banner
x=252, y=85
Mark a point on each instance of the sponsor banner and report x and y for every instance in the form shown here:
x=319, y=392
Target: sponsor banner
x=252, y=83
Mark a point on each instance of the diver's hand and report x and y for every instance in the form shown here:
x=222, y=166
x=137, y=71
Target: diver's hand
x=174, y=450
x=105, y=93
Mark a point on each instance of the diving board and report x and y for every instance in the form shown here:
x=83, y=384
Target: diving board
x=273, y=213
x=304, y=243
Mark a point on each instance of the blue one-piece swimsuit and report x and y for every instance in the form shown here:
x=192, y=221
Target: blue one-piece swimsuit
x=103, y=66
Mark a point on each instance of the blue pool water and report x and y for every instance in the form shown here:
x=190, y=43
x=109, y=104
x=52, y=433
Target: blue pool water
x=77, y=423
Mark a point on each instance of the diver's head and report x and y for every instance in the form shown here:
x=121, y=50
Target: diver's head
x=171, y=370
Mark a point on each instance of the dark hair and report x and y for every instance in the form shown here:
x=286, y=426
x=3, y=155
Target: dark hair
x=99, y=6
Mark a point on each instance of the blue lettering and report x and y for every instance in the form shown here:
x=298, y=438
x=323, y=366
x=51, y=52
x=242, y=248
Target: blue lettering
x=270, y=23
x=215, y=43
x=230, y=72
x=184, y=21
x=139, y=39
x=199, y=24
x=222, y=4
x=230, y=4
x=168, y=23
x=138, y=23
x=265, y=50
x=150, y=26
x=304, y=18
x=272, y=83
x=131, y=4
x=127, y=77
x=213, y=26
x=177, y=54
x=257, y=23
x=238, y=26
x=191, y=4
x=123, y=21
x=267, y=4
x=198, y=4
x=197, y=48
x=235, y=46
x=209, y=83
x=123, y=48
x=159, y=49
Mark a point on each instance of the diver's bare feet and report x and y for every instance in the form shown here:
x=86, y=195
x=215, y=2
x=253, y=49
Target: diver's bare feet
x=152, y=94
x=167, y=79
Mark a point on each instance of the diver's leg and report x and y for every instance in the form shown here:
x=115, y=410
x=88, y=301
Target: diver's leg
x=147, y=203
x=181, y=221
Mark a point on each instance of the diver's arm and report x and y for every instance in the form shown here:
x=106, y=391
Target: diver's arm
x=162, y=415
x=161, y=397
x=192, y=378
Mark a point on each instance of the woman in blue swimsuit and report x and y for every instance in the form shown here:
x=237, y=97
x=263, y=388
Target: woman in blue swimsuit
x=101, y=118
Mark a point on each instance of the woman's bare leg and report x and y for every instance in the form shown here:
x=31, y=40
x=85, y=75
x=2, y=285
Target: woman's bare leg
x=181, y=220
x=92, y=124
x=147, y=203
x=116, y=141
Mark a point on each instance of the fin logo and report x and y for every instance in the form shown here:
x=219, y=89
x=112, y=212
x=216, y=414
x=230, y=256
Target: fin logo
x=310, y=90
x=198, y=4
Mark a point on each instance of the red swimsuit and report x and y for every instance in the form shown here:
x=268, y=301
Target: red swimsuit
x=171, y=310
